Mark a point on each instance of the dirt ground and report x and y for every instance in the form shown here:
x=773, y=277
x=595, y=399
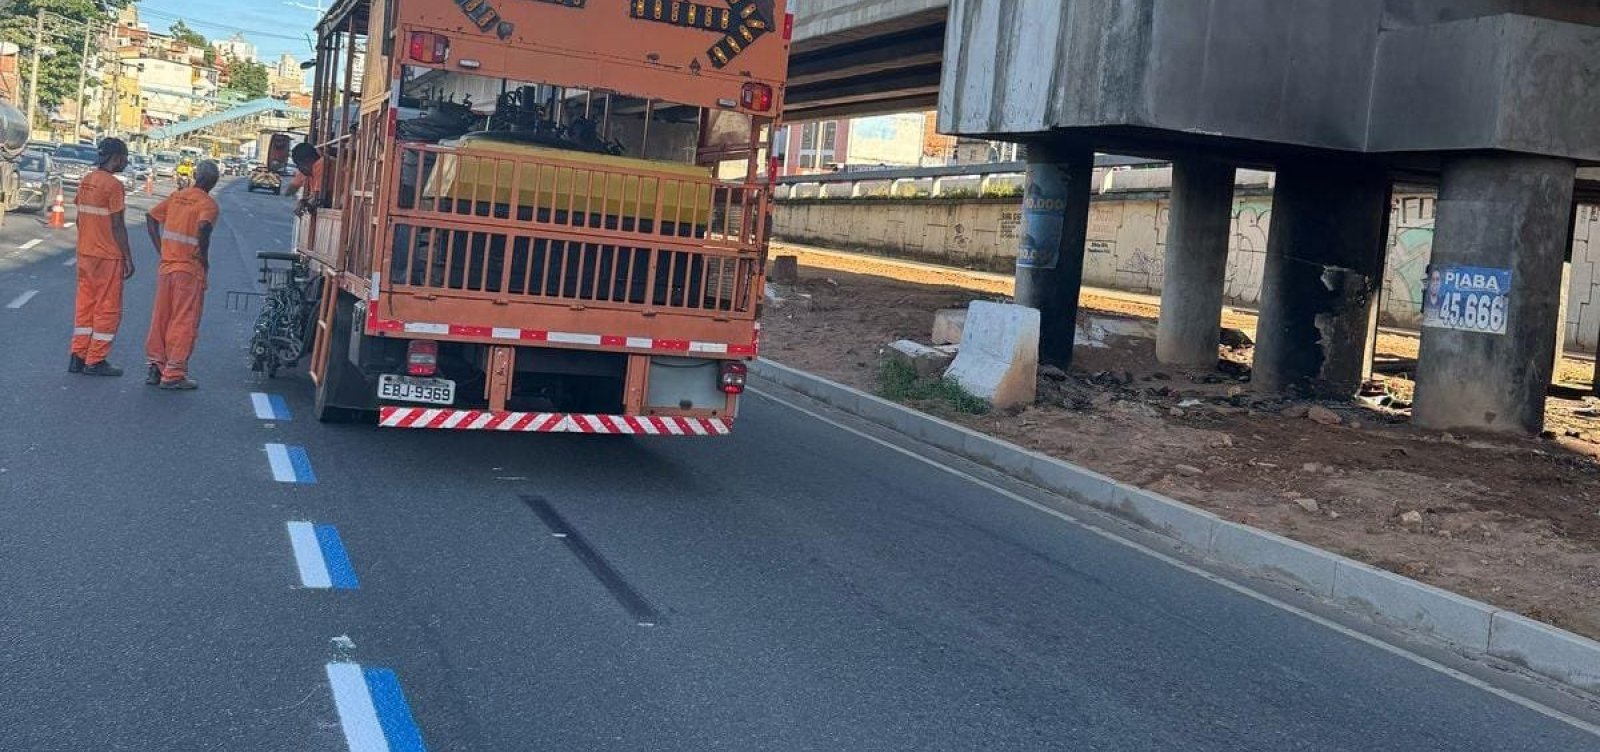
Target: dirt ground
x=1512, y=522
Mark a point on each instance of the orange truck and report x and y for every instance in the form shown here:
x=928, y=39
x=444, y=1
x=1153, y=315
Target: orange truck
x=541, y=215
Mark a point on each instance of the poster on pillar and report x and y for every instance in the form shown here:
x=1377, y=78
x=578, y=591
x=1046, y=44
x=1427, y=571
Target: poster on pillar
x=1467, y=298
x=1044, y=206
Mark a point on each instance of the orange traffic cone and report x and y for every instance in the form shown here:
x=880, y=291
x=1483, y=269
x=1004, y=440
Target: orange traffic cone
x=149, y=183
x=58, y=212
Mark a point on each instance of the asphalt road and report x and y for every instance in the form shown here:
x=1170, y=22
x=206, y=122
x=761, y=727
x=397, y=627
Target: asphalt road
x=792, y=587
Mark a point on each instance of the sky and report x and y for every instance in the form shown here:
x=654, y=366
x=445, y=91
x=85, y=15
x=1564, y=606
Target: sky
x=273, y=26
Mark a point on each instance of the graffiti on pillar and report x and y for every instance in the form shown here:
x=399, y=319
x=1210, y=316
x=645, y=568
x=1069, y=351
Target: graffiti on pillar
x=1044, y=208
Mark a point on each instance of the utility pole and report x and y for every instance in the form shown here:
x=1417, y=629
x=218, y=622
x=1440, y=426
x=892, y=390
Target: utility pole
x=83, y=75
x=33, y=75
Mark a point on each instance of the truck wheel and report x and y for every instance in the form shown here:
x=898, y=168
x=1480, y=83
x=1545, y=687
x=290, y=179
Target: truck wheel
x=343, y=394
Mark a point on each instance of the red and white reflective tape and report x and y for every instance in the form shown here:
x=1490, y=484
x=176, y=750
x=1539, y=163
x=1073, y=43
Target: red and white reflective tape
x=526, y=336
x=483, y=420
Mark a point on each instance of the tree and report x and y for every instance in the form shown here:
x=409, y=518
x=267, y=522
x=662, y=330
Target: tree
x=181, y=32
x=58, y=72
x=249, y=79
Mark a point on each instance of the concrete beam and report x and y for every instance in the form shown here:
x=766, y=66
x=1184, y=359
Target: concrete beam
x=1199, y=226
x=1323, y=274
x=1055, y=226
x=1487, y=340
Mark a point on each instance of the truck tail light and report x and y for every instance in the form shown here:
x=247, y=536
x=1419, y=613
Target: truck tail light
x=733, y=376
x=422, y=357
x=429, y=48
x=756, y=97
x=788, y=27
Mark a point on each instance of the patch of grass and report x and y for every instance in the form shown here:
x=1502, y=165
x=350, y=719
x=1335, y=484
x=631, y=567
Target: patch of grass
x=899, y=382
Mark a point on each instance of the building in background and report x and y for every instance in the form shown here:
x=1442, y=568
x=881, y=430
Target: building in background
x=235, y=48
x=899, y=141
x=285, y=77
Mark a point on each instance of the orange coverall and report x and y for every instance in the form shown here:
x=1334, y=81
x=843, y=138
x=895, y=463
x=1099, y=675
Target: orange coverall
x=311, y=183
x=180, y=282
x=98, y=311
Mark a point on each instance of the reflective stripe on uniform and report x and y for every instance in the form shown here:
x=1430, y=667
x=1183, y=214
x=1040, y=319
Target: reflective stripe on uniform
x=98, y=211
x=81, y=331
x=103, y=337
x=178, y=237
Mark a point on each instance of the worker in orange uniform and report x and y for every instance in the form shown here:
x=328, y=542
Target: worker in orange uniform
x=309, y=164
x=105, y=262
x=180, y=227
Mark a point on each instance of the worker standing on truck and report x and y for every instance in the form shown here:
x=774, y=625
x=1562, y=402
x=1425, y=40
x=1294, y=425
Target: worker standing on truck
x=308, y=161
x=180, y=227
x=105, y=261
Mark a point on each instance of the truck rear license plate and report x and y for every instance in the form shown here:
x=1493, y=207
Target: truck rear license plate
x=413, y=389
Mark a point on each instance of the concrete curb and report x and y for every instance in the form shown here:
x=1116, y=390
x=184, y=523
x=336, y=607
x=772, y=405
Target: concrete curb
x=1385, y=597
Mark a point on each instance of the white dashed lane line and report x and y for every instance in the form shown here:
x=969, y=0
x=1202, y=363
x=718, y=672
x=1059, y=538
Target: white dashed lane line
x=31, y=244
x=71, y=261
x=22, y=300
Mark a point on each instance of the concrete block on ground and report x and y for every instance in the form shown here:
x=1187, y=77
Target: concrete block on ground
x=947, y=325
x=1404, y=602
x=925, y=360
x=1276, y=557
x=999, y=357
x=785, y=270
x=1546, y=650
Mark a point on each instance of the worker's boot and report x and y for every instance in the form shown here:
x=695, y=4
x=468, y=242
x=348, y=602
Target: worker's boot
x=179, y=384
x=103, y=368
x=153, y=376
x=75, y=365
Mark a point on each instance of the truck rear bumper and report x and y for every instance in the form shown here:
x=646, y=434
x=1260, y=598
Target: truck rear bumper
x=485, y=420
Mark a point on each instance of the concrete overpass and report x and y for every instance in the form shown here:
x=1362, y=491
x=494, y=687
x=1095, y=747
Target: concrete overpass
x=863, y=57
x=1492, y=100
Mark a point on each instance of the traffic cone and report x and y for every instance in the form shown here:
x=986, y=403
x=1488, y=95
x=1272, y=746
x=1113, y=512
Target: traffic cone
x=149, y=183
x=58, y=212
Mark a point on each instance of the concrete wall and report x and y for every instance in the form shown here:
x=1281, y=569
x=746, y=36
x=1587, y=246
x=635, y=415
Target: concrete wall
x=1127, y=240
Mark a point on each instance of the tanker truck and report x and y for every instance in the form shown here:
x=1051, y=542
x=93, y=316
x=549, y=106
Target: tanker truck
x=13, y=140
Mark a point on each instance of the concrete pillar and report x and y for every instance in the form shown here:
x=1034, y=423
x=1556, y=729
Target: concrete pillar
x=1502, y=229
x=1322, y=277
x=1055, y=227
x=1198, y=227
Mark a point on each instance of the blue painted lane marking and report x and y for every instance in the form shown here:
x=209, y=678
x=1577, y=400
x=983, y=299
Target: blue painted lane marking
x=320, y=556
x=341, y=575
x=290, y=464
x=394, y=715
x=372, y=709
x=270, y=406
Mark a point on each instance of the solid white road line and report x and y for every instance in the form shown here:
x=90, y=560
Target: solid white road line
x=31, y=243
x=1399, y=652
x=357, y=714
x=22, y=300
x=308, y=555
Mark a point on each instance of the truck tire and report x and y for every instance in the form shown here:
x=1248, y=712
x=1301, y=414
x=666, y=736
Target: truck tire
x=343, y=393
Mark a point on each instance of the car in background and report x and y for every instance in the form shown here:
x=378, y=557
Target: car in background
x=140, y=167
x=75, y=161
x=166, y=164
x=40, y=180
x=43, y=147
x=234, y=166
